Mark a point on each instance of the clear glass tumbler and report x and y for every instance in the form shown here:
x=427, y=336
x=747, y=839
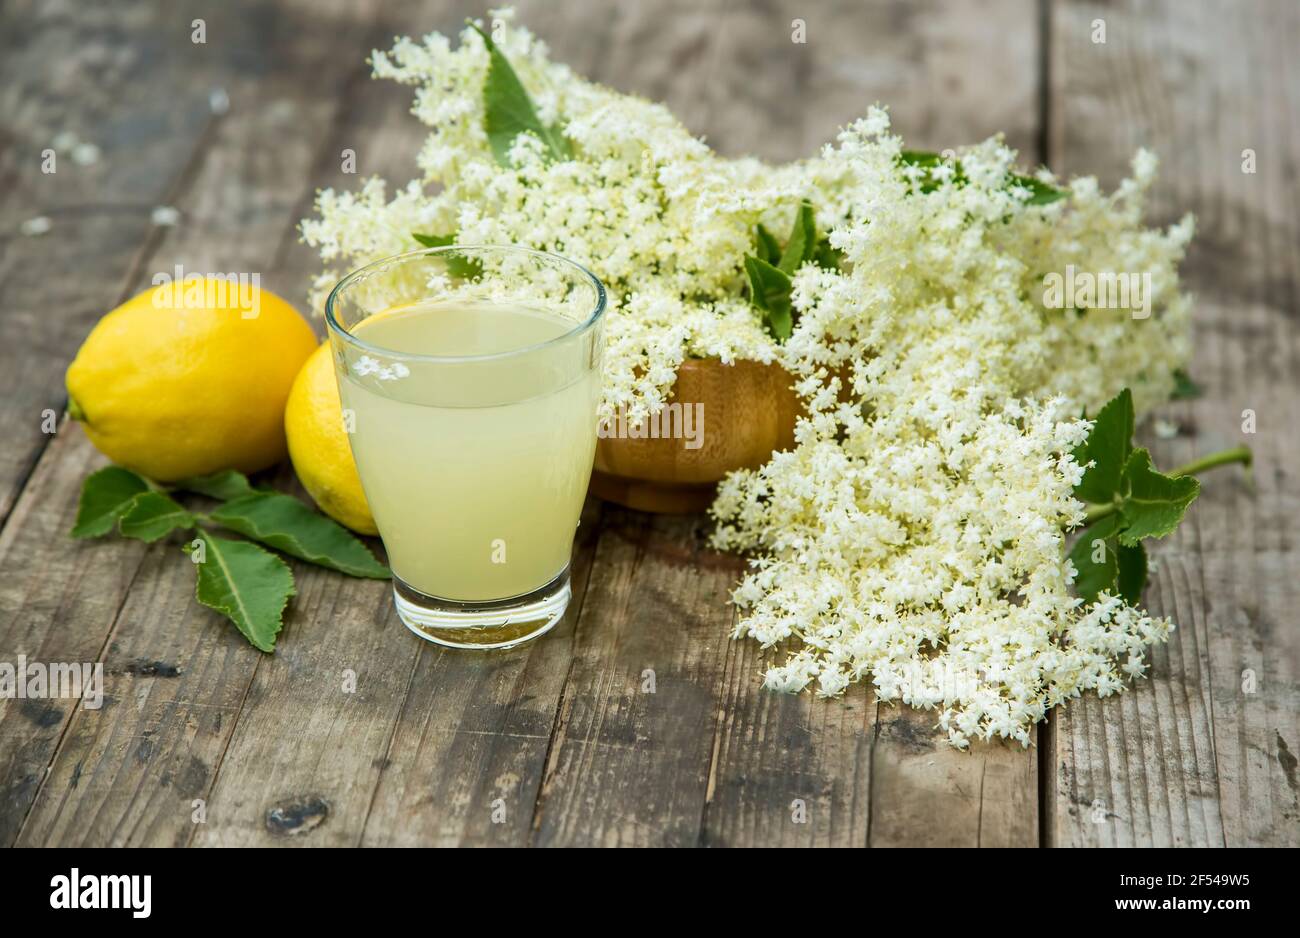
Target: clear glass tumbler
x=469, y=378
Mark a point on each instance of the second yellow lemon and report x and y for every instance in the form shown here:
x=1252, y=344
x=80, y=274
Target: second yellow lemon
x=319, y=448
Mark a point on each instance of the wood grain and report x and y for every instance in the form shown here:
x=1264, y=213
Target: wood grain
x=239, y=200
x=638, y=721
x=66, y=72
x=951, y=71
x=629, y=764
x=1202, y=754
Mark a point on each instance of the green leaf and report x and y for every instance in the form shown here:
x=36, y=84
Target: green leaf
x=105, y=496
x=459, y=264
x=1108, y=446
x=1155, y=503
x=509, y=110
x=928, y=182
x=765, y=245
x=1095, y=576
x=827, y=256
x=1185, y=389
x=770, y=293
x=223, y=485
x=1132, y=563
x=246, y=584
x=153, y=515
x=1040, y=193
x=803, y=240
x=283, y=522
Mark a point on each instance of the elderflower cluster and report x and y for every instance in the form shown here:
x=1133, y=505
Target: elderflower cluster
x=660, y=218
x=913, y=536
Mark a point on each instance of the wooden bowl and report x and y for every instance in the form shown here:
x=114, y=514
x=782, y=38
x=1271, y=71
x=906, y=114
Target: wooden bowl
x=749, y=410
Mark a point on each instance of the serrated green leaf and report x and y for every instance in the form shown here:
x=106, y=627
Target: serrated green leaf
x=1131, y=561
x=1108, y=446
x=1095, y=576
x=223, y=485
x=460, y=265
x=153, y=515
x=283, y=522
x=509, y=111
x=770, y=292
x=765, y=245
x=802, y=245
x=1154, y=503
x=246, y=584
x=1185, y=389
x=105, y=496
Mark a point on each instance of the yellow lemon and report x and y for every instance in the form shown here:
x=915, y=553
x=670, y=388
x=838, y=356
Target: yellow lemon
x=319, y=448
x=190, y=378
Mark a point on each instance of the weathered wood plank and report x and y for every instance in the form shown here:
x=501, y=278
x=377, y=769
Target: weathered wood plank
x=925, y=794
x=739, y=73
x=1138, y=768
x=175, y=677
x=629, y=764
x=788, y=770
x=99, y=75
x=58, y=600
x=469, y=748
x=68, y=71
x=1202, y=753
x=150, y=760
x=862, y=773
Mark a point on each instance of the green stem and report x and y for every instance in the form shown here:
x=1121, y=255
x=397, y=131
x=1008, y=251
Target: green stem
x=1242, y=454
x=1095, y=512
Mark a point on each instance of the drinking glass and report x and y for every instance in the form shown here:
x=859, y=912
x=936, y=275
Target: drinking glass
x=469, y=377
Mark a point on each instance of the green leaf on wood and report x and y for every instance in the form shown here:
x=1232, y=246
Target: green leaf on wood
x=153, y=515
x=509, y=111
x=1154, y=503
x=283, y=522
x=106, y=495
x=223, y=485
x=1131, y=501
x=459, y=264
x=770, y=292
x=1107, y=446
x=1131, y=576
x=246, y=584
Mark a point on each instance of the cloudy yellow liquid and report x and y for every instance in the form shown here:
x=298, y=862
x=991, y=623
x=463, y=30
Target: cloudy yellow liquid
x=475, y=470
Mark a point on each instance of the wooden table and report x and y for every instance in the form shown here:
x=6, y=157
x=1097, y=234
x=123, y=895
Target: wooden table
x=561, y=742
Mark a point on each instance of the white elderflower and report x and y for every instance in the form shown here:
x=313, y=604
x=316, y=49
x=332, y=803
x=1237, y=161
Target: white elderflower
x=913, y=536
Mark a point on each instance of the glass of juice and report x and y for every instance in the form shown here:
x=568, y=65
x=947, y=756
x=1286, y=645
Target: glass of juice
x=470, y=377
